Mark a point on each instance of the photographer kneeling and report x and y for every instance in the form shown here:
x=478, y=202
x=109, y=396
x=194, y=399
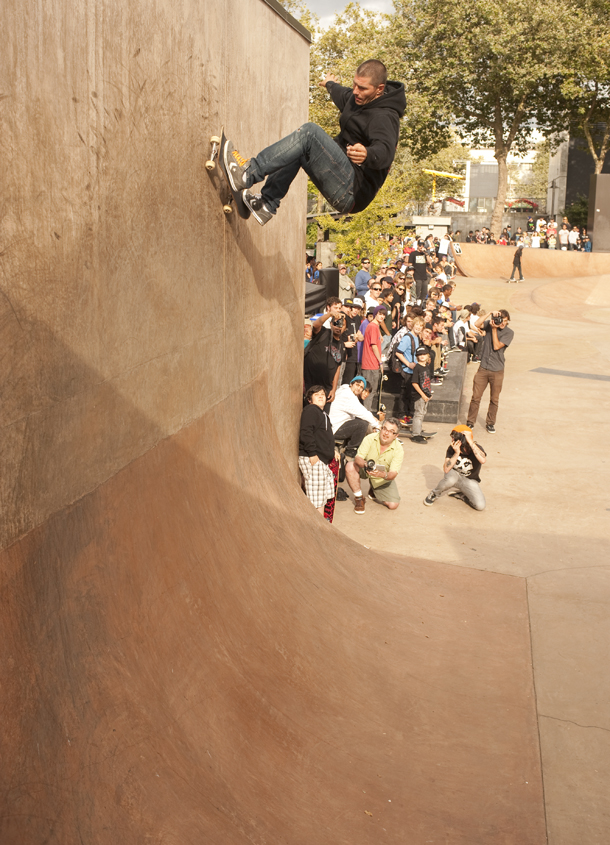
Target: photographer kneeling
x=462, y=470
x=379, y=459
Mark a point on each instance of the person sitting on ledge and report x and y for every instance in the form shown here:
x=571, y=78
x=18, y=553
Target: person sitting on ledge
x=348, y=416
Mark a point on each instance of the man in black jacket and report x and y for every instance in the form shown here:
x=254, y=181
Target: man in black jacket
x=349, y=170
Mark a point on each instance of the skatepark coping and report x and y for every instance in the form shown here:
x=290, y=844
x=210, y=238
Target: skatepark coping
x=293, y=22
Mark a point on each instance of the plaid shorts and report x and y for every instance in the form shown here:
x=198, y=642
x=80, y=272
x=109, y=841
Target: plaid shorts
x=319, y=481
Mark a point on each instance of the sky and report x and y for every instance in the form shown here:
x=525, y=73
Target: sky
x=326, y=9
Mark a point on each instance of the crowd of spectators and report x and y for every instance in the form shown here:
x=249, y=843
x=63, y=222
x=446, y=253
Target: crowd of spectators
x=538, y=234
x=401, y=317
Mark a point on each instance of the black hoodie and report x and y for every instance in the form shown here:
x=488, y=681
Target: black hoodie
x=375, y=125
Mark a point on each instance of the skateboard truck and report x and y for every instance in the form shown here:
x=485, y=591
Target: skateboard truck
x=210, y=166
x=211, y=162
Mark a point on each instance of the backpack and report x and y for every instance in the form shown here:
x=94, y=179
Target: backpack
x=395, y=363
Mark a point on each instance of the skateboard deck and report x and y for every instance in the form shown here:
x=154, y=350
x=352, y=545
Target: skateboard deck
x=229, y=198
x=234, y=199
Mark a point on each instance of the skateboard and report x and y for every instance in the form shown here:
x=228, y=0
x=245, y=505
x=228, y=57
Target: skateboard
x=381, y=406
x=231, y=198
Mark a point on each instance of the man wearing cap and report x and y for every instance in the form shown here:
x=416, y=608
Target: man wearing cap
x=420, y=261
x=371, y=353
x=346, y=287
x=349, y=418
x=352, y=334
x=462, y=470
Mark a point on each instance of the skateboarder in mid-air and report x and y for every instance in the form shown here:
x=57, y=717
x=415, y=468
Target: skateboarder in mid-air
x=349, y=170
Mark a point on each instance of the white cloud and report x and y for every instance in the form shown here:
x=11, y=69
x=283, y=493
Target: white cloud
x=326, y=9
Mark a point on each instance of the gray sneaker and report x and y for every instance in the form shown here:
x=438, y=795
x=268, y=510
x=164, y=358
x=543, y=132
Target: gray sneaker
x=430, y=498
x=259, y=210
x=235, y=166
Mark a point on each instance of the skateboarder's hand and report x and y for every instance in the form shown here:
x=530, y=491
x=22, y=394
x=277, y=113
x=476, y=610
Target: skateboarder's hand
x=356, y=153
x=330, y=77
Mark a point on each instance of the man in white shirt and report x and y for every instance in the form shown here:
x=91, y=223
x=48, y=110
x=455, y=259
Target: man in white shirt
x=573, y=237
x=349, y=419
x=563, y=236
x=372, y=298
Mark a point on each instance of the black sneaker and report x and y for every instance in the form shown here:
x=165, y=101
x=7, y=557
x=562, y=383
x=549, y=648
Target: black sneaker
x=470, y=425
x=236, y=166
x=417, y=438
x=429, y=434
x=490, y=428
x=430, y=498
x=259, y=210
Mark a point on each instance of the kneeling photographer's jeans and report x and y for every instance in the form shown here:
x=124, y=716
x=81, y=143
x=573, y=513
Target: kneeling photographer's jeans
x=471, y=489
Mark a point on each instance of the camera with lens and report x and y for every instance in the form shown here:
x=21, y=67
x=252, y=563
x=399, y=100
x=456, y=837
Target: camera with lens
x=371, y=466
x=497, y=319
x=338, y=322
x=459, y=437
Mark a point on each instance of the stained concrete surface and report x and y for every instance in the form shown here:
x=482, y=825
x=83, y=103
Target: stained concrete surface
x=187, y=652
x=547, y=522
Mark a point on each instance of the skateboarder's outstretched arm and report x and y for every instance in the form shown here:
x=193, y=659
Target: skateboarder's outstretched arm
x=339, y=94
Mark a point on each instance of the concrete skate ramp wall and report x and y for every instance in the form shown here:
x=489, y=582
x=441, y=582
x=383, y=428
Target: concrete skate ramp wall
x=188, y=653
x=482, y=261
x=129, y=305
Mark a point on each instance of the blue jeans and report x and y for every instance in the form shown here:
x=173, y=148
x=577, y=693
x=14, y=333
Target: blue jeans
x=321, y=158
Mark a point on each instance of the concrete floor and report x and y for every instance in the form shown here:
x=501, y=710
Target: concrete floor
x=547, y=520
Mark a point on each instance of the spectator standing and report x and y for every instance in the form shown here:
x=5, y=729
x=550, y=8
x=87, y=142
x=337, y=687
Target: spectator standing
x=351, y=309
x=574, y=238
x=563, y=237
x=497, y=337
x=362, y=278
x=316, y=449
x=324, y=353
x=346, y=287
x=421, y=393
x=420, y=262
x=405, y=353
x=371, y=353
x=373, y=296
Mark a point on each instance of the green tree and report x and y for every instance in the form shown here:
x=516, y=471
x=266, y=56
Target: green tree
x=492, y=69
x=587, y=88
x=367, y=232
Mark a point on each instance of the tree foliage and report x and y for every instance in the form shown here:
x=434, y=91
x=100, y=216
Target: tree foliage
x=586, y=84
x=495, y=66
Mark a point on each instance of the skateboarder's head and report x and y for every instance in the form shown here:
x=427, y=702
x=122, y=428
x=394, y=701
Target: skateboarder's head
x=369, y=82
